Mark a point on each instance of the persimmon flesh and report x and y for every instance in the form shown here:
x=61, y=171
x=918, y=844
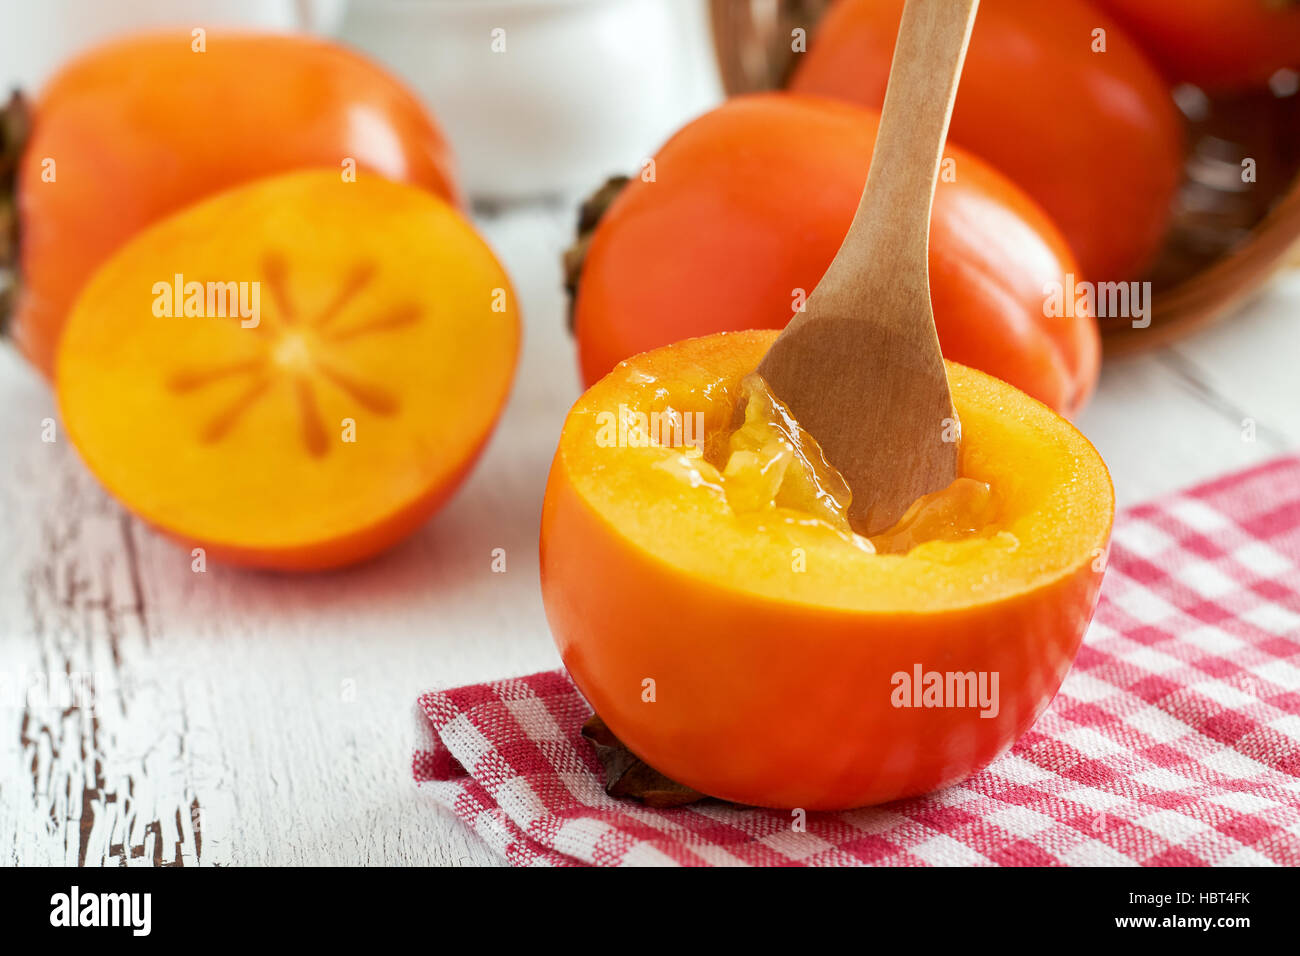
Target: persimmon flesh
x=753, y=654
x=333, y=424
x=773, y=465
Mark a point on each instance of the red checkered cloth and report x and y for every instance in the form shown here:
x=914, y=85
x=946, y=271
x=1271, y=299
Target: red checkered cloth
x=1174, y=740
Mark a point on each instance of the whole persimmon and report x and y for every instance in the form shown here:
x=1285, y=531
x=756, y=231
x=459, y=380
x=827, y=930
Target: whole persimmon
x=748, y=645
x=1221, y=45
x=293, y=374
x=136, y=129
x=1056, y=96
x=747, y=206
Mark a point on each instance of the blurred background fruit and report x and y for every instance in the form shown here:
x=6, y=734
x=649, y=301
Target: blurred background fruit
x=1220, y=45
x=141, y=127
x=750, y=203
x=1090, y=133
x=1229, y=230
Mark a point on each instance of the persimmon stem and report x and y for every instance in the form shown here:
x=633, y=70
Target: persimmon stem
x=589, y=216
x=15, y=125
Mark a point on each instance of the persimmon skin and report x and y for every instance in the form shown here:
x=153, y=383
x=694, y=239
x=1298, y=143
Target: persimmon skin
x=1095, y=138
x=142, y=127
x=769, y=698
x=1220, y=45
x=750, y=203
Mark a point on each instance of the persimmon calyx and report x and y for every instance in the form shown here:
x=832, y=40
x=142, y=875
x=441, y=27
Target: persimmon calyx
x=15, y=126
x=627, y=775
x=589, y=215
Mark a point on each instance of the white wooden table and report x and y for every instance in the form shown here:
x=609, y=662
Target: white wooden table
x=244, y=718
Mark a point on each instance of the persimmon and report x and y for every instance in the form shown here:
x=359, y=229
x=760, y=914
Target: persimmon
x=748, y=205
x=1091, y=133
x=761, y=656
x=138, y=128
x=1220, y=45
x=293, y=374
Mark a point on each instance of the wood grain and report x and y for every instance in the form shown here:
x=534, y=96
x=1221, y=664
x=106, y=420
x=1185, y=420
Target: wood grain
x=255, y=719
x=252, y=718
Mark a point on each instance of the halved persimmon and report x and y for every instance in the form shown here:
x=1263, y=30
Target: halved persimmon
x=293, y=374
x=748, y=646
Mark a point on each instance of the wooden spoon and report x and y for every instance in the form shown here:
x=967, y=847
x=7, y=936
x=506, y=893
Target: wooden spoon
x=860, y=368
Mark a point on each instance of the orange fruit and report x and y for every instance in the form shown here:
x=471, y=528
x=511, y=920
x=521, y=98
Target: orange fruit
x=332, y=423
x=757, y=654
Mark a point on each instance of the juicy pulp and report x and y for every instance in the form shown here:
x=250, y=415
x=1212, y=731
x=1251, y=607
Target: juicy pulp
x=1046, y=476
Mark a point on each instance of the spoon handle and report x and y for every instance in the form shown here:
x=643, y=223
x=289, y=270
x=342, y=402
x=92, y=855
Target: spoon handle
x=889, y=238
